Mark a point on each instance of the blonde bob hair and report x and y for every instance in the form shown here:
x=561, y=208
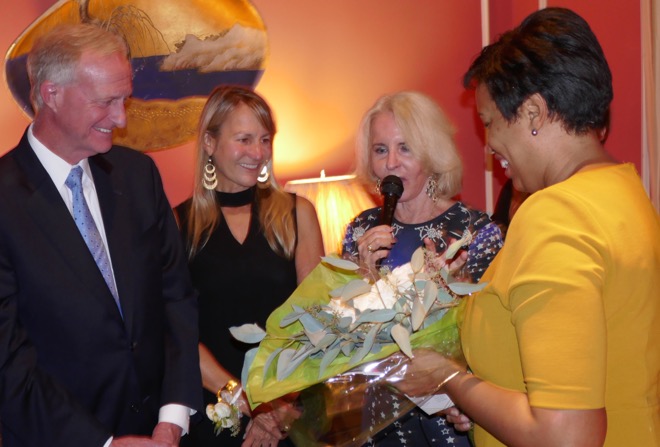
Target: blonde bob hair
x=275, y=206
x=427, y=132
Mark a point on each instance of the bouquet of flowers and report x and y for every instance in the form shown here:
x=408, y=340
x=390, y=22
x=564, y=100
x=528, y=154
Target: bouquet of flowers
x=336, y=335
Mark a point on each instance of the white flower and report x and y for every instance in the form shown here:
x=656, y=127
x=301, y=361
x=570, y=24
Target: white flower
x=341, y=308
x=222, y=410
x=210, y=412
x=387, y=290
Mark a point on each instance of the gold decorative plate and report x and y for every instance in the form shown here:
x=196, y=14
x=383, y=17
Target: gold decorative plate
x=180, y=51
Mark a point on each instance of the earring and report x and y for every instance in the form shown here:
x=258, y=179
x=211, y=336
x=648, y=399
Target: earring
x=264, y=175
x=377, y=187
x=432, y=188
x=535, y=132
x=210, y=179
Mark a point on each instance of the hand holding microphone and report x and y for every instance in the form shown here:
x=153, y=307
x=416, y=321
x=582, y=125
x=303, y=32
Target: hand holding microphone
x=391, y=188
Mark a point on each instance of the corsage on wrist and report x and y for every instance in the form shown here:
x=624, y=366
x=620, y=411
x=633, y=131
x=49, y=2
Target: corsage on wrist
x=226, y=414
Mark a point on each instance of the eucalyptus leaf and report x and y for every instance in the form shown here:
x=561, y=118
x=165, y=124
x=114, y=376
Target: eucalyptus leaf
x=366, y=346
x=444, y=272
x=291, y=362
x=344, y=322
x=328, y=358
x=325, y=342
x=347, y=347
x=402, y=338
x=249, y=358
x=418, y=314
x=465, y=288
x=444, y=297
x=310, y=323
x=291, y=318
x=354, y=288
x=283, y=361
x=417, y=260
x=248, y=333
x=270, y=359
x=316, y=336
x=342, y=264
x=466, y=239
x=430, y=294
x=303, y=351
x=453, y=249
x=375, y=316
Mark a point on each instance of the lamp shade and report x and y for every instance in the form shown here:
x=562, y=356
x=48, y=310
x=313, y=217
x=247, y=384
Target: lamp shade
x=337, y=200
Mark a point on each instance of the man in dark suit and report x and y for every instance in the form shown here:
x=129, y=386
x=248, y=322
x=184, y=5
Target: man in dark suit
x=97, y=348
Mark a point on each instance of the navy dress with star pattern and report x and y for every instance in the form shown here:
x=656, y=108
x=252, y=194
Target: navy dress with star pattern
x=416, y=428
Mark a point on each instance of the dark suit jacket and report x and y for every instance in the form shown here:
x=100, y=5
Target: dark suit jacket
x=72, y=372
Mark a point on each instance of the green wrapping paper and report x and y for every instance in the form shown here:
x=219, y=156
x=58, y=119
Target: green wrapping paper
x=263, y=386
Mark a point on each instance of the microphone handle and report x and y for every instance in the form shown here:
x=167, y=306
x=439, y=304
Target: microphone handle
x=389, y=205
x=387, y=215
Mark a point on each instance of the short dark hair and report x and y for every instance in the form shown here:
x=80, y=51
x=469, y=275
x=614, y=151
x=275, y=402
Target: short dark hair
x=554, y=53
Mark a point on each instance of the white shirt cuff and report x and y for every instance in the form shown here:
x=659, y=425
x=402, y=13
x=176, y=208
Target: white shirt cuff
x=176, y=414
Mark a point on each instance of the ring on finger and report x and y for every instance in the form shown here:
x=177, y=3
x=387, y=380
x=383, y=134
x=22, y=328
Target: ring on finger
x=370, y=248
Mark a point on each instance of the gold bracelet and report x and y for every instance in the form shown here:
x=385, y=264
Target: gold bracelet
x=230, y=386
x=449, y=377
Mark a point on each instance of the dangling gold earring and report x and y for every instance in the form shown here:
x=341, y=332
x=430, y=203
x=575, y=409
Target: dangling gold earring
x=432, y=188
x=210, y=179
x=264, y=175
x=378, y=182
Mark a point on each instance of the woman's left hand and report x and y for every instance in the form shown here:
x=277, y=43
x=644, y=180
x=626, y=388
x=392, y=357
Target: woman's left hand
x=425, y=372
x=263, y=431
x=455, y=265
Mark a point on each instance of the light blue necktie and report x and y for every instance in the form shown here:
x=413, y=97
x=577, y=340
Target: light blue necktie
x=88, y=229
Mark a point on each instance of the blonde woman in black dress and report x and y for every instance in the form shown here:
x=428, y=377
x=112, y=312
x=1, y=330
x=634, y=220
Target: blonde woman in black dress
x=249, y=245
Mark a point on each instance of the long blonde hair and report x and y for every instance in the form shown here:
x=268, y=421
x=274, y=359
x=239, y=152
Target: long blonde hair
x=275, y=206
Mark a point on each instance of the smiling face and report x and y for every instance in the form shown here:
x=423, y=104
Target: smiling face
x=86, y=110
x=390, y=155
x=510, y=143
x=241, y=149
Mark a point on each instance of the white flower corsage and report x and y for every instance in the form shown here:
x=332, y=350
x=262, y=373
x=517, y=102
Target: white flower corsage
x=226, y=414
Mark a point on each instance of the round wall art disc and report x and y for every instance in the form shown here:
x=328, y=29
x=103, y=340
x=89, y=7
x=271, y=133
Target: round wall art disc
x=180, y=51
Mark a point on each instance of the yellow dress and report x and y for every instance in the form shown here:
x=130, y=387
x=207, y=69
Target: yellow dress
x=571, y=312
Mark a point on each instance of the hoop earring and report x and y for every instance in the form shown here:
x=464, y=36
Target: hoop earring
x=377, y=187
x=432, y=188
x=264, y=175
x=209, y=179
x=535, y=132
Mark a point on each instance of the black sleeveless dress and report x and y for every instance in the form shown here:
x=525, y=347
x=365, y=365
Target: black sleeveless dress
x=237, y=284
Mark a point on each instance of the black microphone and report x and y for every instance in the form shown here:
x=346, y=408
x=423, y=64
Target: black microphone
x=391, y=189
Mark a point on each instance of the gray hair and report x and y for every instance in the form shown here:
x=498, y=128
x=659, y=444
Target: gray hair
x=55, y=55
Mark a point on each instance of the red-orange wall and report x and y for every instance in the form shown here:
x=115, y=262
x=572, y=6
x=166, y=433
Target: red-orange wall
x=330, y=60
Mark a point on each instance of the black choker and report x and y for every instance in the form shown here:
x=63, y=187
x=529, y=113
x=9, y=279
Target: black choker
x=235, y=199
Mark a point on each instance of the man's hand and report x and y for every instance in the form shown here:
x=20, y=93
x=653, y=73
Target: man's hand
x=137, y=441
x=168, y=433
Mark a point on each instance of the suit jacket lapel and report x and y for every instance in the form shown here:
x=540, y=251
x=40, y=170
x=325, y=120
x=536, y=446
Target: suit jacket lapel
x=46, y=207
x=114, y=200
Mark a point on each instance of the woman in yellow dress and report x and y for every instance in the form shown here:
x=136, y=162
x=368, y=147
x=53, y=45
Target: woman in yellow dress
x=563, y=341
